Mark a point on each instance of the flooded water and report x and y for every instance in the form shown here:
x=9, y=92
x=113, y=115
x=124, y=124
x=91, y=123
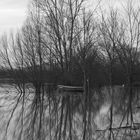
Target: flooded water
x=11, y=108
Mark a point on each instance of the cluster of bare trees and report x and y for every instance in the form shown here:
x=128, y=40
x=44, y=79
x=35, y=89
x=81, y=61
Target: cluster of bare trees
x=62, y=42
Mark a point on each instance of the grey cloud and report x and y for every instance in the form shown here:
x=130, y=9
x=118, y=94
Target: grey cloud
x=5, y=4
x=12, y=14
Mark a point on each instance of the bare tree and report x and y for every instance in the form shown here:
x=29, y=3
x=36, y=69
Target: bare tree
x=122, y=42
x=60, y=19
x=128, y=52
x=108, y=32
x=86, y=47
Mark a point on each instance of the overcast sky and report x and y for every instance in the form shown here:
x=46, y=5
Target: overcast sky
x=12, y=14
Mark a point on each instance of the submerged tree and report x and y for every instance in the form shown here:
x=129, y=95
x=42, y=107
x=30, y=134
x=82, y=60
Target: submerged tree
x=108, y=32
x=128, y=52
